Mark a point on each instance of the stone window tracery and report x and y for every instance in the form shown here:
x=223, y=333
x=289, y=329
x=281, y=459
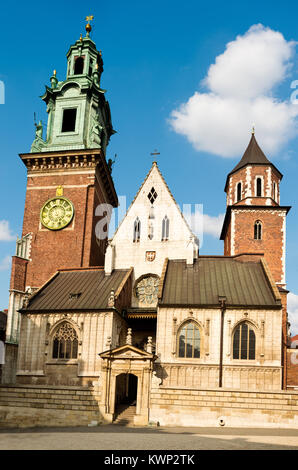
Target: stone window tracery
x=189, y=340
x=152, y=195
x=146, y=290
x=65, y=342
x=244, y=342
x=137, y=230
x=165, y=228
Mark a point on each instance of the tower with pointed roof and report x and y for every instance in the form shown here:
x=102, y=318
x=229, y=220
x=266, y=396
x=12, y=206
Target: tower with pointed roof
x=255, y=221
x=68, y=177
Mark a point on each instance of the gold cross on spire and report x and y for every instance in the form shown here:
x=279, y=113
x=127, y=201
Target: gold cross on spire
x=89, y=18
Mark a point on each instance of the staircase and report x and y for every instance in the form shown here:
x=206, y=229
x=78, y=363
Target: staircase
x=125, y=415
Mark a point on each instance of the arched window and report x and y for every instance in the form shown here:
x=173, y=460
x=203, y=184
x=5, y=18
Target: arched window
x=259, y=187
x=258, y=230
x=189, y=340
x=137, y=230
x=79, y=66
x=165, y=228
x=239, y=192
x=65, y=342
x=244, y=342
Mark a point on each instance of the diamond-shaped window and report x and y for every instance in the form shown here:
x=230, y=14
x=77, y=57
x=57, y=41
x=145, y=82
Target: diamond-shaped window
x=152, y=195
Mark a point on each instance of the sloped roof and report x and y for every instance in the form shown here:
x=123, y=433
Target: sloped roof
x=253, y=155
x=243, y=283
x=77, y=290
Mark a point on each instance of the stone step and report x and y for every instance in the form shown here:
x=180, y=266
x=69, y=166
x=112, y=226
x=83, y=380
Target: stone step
x=125, y=415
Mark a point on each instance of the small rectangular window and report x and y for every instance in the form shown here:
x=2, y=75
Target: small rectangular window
x=69, y=120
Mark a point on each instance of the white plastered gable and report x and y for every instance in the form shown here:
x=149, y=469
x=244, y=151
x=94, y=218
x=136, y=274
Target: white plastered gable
x=147, y=255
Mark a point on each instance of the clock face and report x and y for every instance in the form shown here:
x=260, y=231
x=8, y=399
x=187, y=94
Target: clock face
x=56, y=213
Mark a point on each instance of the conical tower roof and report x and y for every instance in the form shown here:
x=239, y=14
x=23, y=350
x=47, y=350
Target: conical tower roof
x=253, y=155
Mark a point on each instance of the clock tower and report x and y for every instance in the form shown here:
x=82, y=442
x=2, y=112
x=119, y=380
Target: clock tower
x=68, y=177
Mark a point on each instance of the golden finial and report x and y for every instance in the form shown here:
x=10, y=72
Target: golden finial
x=81, y=38
x=96, y=66
x=88, y=25
x=54, y=73
x=253, y=129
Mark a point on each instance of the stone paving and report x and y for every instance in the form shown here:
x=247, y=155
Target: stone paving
x=114, y=437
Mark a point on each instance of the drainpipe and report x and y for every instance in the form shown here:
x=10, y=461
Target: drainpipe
x=222, y=302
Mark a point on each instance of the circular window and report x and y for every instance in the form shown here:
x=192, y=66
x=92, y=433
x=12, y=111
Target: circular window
x=146, y=290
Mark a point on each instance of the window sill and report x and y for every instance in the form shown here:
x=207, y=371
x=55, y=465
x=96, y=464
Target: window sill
x=62, y=361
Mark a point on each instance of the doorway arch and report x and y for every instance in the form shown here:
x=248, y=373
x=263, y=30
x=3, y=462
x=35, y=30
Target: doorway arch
x=126, y=389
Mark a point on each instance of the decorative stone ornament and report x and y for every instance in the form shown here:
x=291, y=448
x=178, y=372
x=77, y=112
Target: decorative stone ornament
x=57, y=213
x=111, y=299
x=147, y=289
x=129, y=336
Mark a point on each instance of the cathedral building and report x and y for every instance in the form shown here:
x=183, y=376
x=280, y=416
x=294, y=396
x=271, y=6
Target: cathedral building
x=142, y=318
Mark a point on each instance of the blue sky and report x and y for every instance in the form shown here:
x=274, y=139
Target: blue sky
x=157, y=56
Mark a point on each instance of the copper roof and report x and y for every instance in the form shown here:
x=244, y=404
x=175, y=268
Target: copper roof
x=243, y=283
x=77, y=290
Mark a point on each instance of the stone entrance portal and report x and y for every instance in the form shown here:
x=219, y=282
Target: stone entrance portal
x=126, y=389
x=126, y=378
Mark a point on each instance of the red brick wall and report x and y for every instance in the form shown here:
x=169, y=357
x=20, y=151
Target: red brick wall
x=272, y=237
x=292, y=368
x=74, y=246
x=255, y=171
x=18, y=273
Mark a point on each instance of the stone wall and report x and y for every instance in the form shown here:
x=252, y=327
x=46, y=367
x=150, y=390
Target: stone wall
x=9, y=368
x=28, y=406
x=36, y=364
x=262, y=373
x=184, y=407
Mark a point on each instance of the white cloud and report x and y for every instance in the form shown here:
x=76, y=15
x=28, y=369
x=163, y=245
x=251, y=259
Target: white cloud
x=213, y=224
x=240, y=92
x=293, y=313
x=5, y=232
x=5, y=263
x=203, y=224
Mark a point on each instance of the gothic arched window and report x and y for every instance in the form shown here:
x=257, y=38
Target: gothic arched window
x=65, y=342
x=165, y=228
x=137, y=230
x=239, y=192
x=244, y=342
x=258, y=230
x=189, y=340
x=79, y=66
x=259, y=187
